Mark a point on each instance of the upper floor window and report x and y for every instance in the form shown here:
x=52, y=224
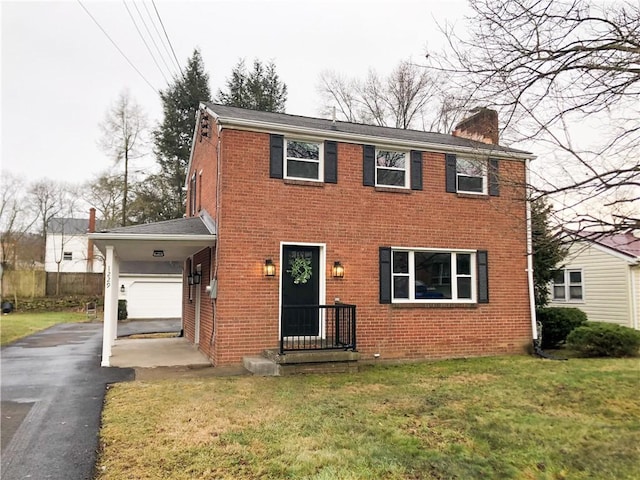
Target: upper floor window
x=433, y=276
x=304, y=160
x=567, y=285
x=471, y=176
x=392, y=168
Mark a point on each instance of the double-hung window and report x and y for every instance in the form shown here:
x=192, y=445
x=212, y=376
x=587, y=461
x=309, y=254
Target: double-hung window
x=431, y=275
x=304, y=160
x=567, y=285
x=392, y=168
x=471, y=176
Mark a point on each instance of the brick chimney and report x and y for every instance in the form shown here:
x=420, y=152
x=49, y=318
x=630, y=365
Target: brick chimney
x=481, y=126
x=92, y=228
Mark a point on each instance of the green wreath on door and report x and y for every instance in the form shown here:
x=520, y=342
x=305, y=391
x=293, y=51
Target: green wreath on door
x=300, y=270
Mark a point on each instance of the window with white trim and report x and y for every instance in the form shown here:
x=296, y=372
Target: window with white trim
x=433, y=276
x=392, y=168
x=471, y=176
x=304, y=160
x=567, y=285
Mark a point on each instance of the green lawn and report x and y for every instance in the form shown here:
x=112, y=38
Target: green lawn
x=487, y=418
x=17, y=325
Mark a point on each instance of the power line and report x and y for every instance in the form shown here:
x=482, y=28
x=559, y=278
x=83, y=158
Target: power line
x=135, y=4
x=117, y=47
x=144, y=41
x=165, y=34
x=162, y=41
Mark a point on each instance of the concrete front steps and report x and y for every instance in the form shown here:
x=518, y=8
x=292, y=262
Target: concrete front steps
x=271, y=363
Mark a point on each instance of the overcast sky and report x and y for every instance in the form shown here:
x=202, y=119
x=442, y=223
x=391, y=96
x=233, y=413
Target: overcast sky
x=60, y=72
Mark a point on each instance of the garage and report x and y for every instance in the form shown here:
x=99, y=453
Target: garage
x=153, y=299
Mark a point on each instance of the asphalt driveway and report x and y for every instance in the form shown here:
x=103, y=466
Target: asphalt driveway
x=52, y=395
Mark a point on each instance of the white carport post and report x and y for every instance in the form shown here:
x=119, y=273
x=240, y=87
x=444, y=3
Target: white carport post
x=111, y=282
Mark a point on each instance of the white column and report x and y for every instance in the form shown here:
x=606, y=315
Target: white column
x=110, y=326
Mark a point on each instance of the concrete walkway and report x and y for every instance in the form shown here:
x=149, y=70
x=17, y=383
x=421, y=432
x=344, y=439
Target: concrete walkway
x=156, y=352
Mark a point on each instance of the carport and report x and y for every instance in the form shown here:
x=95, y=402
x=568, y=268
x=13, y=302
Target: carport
x=171, y=240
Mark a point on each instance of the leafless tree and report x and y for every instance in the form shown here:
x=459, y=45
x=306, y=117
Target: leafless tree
x=123, y=137
x=105, y=193
x=409, y=97
x=48, y=199
x=15, y=220
x=565, y=76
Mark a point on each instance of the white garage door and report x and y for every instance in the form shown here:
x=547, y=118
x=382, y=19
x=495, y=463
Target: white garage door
x=155, y=300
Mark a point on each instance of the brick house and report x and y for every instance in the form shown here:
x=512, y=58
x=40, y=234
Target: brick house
x=313, y=223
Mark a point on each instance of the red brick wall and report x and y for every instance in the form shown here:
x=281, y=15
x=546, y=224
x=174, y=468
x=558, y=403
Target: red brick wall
x=257, y=213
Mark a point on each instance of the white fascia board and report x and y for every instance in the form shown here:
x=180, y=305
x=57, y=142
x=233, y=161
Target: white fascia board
x=267, y=127
x=151, y=237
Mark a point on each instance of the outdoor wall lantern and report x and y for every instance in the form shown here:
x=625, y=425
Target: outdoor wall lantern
x=196, y=278
x=122, y=288
x=269, y=268
x=337, y=270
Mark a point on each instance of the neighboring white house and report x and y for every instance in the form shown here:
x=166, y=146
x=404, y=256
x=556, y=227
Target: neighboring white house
x=601, y=277
x=67, y=247
x=151, y=289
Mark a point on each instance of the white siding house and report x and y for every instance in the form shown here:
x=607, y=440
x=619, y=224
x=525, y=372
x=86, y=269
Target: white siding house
x=67, y=247
x=601, y=277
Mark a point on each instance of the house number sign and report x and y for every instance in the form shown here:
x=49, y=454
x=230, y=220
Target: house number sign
x=108, y=277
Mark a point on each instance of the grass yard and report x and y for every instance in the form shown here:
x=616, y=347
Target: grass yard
x=487, y=418
x=17, y=325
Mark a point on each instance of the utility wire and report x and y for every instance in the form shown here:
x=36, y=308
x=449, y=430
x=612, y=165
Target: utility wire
x=165, y=34
x=145, y=42
x=117, y=47
x=162, y=41
x=135, y=4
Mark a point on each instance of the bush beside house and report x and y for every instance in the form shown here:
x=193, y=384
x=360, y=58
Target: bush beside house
x=558, y=323
x=599, y=339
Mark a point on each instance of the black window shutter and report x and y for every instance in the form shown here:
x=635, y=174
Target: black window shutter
x=483, y=277
x=277, y=155
x=385, y=275
x=368, y=165
x=450, y=159
x=330, y=162
x=416, y=170
x=494, y=184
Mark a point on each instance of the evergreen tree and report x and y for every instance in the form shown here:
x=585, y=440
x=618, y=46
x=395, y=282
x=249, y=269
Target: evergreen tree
x=173, y=138
x=259, y=89
x=548, y=250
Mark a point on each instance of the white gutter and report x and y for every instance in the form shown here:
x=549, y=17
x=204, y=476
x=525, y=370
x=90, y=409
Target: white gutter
x=150, y=237
x=269, y=127
x=634, y=305
x=532, y=301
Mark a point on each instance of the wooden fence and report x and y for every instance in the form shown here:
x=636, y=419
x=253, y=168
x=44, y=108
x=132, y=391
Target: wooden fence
x=37, y=283
x=24, y=283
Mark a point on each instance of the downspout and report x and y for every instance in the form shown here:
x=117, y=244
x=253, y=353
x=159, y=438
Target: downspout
x=214, y=301
x=532, y=301
x=634, y=289
x=537, y=349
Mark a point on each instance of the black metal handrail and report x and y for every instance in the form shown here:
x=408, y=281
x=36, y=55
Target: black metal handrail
x=318, y=327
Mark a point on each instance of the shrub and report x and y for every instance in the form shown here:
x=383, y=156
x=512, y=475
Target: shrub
x=557, y=323
x=599, y=339
x=122, y=310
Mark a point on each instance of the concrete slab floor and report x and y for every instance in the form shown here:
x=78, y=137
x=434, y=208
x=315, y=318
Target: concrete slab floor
x=156, y=352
